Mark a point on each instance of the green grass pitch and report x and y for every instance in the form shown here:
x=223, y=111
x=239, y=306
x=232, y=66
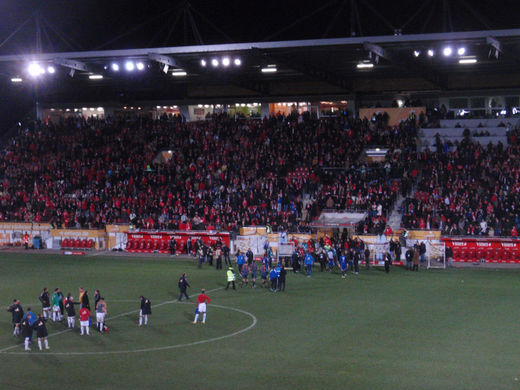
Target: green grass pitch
x=454, y=329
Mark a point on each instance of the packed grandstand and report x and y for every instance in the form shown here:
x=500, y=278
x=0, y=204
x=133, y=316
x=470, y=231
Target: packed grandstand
x=280, y=171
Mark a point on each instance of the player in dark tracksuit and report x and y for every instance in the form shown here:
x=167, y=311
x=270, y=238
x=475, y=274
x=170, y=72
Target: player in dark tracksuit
x=388, y=261
x=46, y=303
x=41, y=332
x=71, y=311
x=16, y=311
x=27, y=331
x=183, y=285
x=146, y=310
x=281, y=278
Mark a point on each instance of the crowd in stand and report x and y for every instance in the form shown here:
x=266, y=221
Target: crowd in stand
x=470, y=191
x=220, y=173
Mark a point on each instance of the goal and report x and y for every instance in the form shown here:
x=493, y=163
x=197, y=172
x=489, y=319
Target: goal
x=437, y=259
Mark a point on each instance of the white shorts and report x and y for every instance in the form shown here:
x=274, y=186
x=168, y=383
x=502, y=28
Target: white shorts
x=55, y=308
x=84, y=323
x=100, y=317
x=202, y=308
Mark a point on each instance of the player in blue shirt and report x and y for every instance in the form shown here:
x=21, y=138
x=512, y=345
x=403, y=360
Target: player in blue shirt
x=264, y=270
x=273, y=275
x=241, y=259
x=343, y=265
x=254, y=269
x=245, y=275
x=309, y=260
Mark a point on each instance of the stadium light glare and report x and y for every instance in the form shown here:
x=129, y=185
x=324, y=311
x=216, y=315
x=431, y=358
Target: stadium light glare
x=179, y=73
x=238, y=62
x=416, y=53
x=35, y=69
x=214, y=62
x=270, y=69
x=461, y=51
x=203, y=63
x=129, y=66
x=466, y=61
x=226, y=61
x=115, y=67
x=431, y=53
x=365, y=65
x=95, y=76
x=447, y=51
x=16, y=80
x=51, y=69
x=165, y=68
x=139, y=66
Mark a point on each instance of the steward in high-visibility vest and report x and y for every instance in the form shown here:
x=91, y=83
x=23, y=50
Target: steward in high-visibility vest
x=230, y=278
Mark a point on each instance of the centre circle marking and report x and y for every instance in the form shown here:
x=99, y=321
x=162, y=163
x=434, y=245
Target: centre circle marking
x=243, y=330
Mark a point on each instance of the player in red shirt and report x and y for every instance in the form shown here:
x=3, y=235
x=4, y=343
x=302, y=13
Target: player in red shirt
x=84, y=320
x=202, y=299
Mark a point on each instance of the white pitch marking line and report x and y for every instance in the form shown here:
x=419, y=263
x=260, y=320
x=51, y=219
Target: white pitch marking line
x=108, y=318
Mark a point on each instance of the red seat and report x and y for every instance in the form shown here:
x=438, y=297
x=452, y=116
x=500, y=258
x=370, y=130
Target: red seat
x=64, y=243
x=90, y=243
x=129, y=244
x=155, y=244
x=489, y=255
x=148, y=244
x=507, y=254
x=142, y=244
x=164, y=245
x=456, y=253
x=84, y=243
x=479, y=255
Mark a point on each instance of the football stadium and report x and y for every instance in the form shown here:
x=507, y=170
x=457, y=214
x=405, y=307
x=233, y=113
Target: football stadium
x=211, y=195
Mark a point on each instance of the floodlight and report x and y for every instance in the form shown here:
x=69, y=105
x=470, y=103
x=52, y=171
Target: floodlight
x=115, y=67
x=95, y=76
x=430, y=53
x=139, y=66
x=269, y=70
x=129, y=66
x=16, y=80
x=465, y=61
x=238, y=62
x=365, y=65
x=35, y=69
x=179, y=73
x=461, y=51
x=203, y=63
x=447, y=51
x=51, y=69
x=226, y=61
x=416, y=53
x=214, y=62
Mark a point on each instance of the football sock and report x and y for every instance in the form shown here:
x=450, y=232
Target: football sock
x=146, y=319
x=203, y=318
x=40, y=344
x=46, y=343
x=140, y=320
x=26, y=342
x=196, y=317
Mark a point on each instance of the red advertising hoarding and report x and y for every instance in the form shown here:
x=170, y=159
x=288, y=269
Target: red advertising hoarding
x=148, y=242
x=491, y=250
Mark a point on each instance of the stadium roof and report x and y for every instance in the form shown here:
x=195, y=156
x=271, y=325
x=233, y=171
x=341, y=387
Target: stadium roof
x=391, y=57
x=315, y=67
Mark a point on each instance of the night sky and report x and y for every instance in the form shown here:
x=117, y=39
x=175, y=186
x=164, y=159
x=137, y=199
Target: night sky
x=89, y=25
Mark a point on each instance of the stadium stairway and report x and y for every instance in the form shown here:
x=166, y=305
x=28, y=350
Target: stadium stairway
x=394, y=217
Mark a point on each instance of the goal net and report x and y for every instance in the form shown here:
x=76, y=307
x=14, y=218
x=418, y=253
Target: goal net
x=437, y=259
